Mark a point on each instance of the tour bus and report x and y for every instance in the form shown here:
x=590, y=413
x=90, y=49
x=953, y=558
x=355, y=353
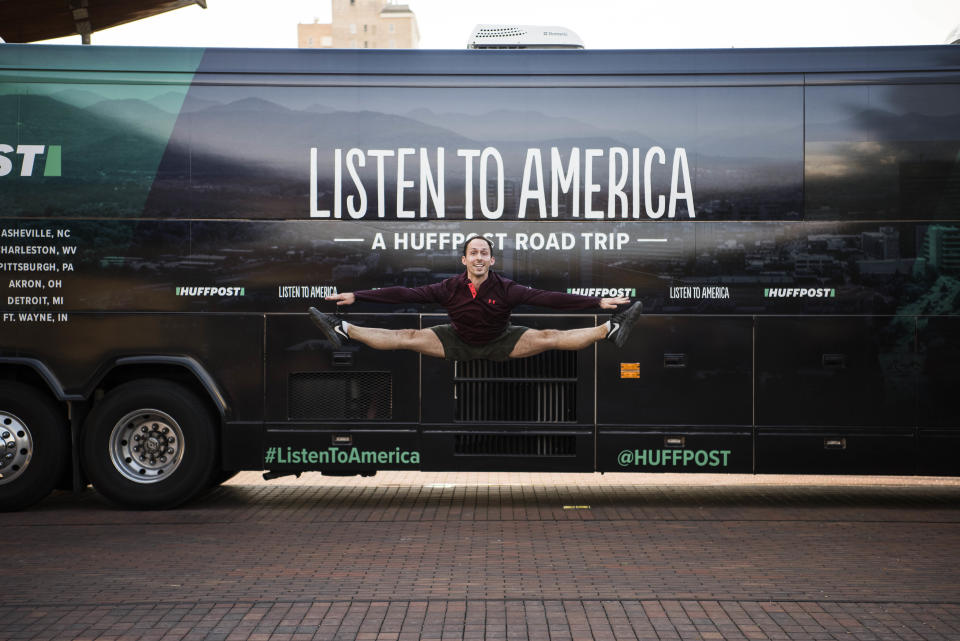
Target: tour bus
x=789, y=218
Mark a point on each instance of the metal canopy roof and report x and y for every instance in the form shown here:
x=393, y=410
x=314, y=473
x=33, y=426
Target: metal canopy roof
x=32, y=20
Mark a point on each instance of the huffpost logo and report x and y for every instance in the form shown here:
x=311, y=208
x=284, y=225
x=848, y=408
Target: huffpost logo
x=603, y=292
x=799, y=292
x=674, y=458
x=26, y=157
x=211, y=291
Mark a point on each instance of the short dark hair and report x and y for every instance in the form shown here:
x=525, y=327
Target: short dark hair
x=473, y=238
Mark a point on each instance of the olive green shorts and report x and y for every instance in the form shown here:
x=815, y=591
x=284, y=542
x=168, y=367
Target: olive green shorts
x=455, y=349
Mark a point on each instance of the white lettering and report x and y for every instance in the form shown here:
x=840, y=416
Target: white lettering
x=485, y=156
x=647, y=180
x=615, y=191
x=604, y=197
x=402, y=183
x=356, y=157
x=380, y=154
x=337, y=178
x=589, y=187
x=533, y=162
x=6, y=165
x=314, y=212
x=427, y=183
x=29, y=153
x=468, y=155
x=564, y=180
x=680, y=162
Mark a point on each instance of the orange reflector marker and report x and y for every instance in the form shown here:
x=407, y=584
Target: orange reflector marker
x=629, y=370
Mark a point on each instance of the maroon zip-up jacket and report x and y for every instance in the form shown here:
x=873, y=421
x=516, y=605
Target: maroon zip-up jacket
x=478, y=320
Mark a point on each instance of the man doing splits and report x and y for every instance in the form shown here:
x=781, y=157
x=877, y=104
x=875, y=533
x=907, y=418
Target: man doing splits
x=479, y=303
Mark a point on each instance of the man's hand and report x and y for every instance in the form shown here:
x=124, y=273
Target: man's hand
x=346, y=298
x=611, y=303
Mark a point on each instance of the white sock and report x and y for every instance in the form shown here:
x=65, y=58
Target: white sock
x=609, y=327
x=346, y=327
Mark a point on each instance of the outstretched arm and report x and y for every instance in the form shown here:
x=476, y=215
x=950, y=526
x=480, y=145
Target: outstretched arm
x=435, y=293
x=611, y=303
x=346, y=298
x=521, y=294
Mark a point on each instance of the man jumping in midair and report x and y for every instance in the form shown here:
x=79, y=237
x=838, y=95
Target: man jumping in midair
x=479, y=303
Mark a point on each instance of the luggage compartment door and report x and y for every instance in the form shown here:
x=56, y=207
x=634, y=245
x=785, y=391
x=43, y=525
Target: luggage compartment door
x=836, y=395
x=677, y=397
x=341, y=409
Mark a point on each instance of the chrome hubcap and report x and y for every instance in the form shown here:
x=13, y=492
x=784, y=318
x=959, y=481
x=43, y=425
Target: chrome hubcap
x=146, y=446
x=16, y=447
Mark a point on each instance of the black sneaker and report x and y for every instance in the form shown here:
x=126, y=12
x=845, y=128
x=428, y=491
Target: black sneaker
x=622, y=323
x=331, y=327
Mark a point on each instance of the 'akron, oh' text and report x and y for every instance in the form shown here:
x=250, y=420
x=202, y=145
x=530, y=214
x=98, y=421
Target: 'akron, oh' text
x=570, y=183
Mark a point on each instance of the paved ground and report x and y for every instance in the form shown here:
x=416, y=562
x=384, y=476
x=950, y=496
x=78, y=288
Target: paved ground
x=495, y=556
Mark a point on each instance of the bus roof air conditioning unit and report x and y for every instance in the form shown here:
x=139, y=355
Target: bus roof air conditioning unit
x=495, y=36
x=954, y=37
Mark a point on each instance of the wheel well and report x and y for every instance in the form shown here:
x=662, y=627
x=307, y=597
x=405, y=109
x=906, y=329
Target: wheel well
x=29, y=376
x=173, y=373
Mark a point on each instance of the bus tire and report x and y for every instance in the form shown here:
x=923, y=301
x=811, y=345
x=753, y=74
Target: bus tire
x=150, y=444
x=34, y=442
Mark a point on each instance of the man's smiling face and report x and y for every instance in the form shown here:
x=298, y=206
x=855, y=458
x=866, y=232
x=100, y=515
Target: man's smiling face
x=478, y=258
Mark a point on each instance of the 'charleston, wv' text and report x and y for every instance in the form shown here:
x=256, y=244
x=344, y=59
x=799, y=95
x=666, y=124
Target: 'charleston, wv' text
x=546, y=175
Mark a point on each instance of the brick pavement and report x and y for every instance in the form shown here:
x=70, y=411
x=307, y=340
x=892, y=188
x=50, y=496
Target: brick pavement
x=533, y=619
x=475, y=556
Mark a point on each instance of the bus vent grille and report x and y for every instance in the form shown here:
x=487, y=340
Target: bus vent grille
x=341, y=395
x=530, y=445
x=539, y=389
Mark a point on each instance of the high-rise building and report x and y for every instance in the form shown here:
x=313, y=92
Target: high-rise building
x=881, y=245
x=941, y=248
x=362, y=24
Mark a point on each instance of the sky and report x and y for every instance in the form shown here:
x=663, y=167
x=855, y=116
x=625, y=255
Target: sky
x=601, y=24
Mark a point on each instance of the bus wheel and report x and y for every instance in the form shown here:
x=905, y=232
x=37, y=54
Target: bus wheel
x=150, y=444
x=34, y=442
